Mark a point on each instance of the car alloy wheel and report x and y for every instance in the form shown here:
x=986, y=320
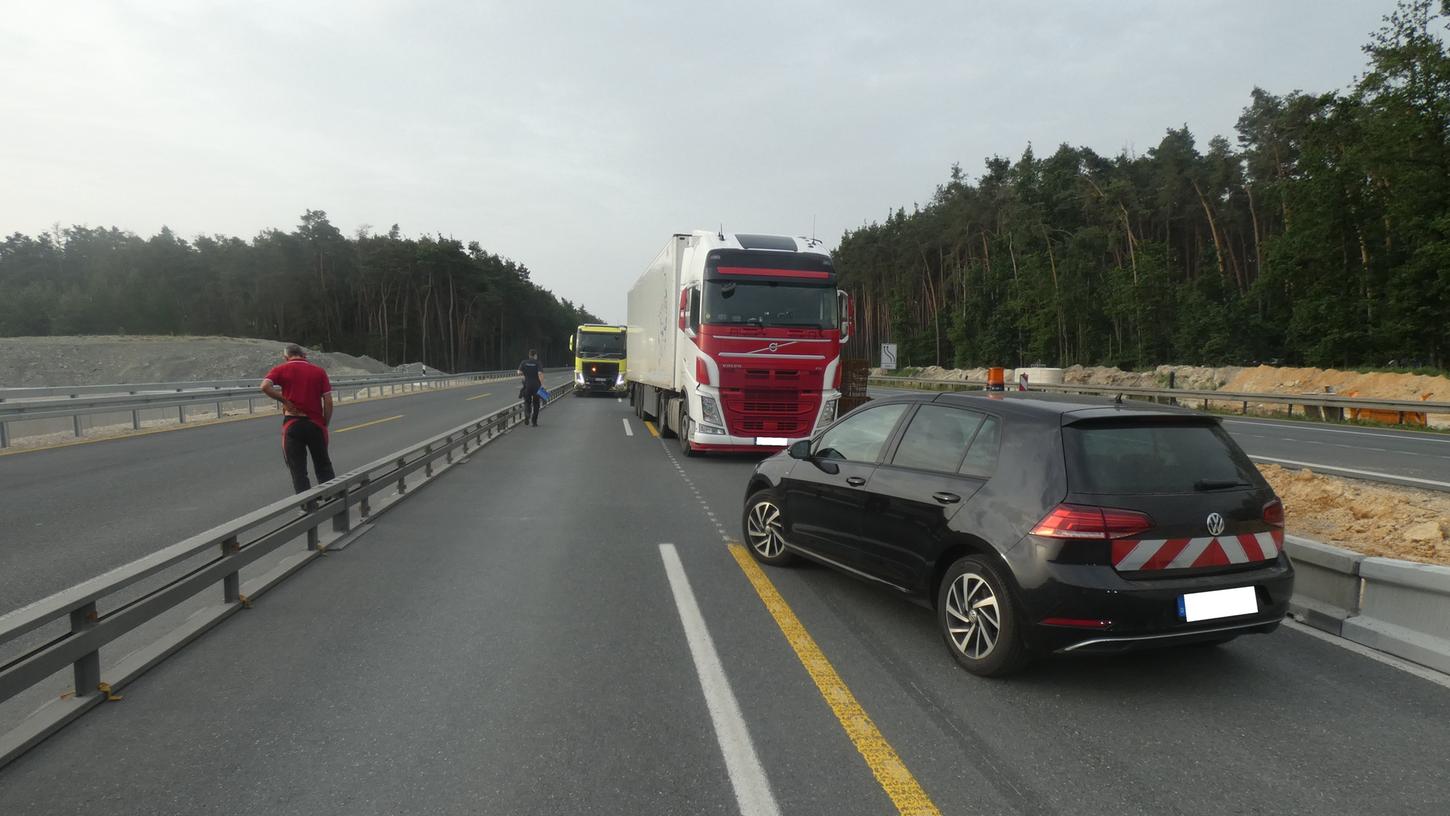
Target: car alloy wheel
x=978, y=618
x=765, y=530
x=974, y=619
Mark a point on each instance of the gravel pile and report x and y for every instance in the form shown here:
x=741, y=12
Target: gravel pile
x=98, y=360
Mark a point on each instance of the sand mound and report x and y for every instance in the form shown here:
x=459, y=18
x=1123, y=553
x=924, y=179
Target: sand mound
x=1268, y=379
x=1258, y=380
x=101, y=359
x=1390, y=521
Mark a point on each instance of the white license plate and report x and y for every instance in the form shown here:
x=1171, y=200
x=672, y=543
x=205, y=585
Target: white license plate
x=776, y=441
x=1220, y=603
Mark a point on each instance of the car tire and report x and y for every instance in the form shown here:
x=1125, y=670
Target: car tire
x=983, y=643
x=763, y=525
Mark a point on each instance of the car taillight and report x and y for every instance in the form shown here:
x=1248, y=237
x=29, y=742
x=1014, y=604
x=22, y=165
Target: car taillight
x=1079, y=521
x=1274, y=513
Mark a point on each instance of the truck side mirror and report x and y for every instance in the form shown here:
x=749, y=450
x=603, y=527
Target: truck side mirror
x=847, y=307
x=800, y=450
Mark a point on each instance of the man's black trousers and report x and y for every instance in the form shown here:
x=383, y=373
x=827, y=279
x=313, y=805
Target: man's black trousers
x=532, y=401
x=300, y=436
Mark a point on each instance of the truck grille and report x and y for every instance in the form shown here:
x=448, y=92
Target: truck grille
x=600, y=373
x=772, y=412
x=766, y=376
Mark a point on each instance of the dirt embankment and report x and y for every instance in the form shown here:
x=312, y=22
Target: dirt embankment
x=101, y=359
x=1257, y=380
x=1389, y=521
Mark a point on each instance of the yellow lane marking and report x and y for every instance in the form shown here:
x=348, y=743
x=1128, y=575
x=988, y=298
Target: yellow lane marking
x=652, y=431
x=368, y=424
x=905, y=792
x=479, y=396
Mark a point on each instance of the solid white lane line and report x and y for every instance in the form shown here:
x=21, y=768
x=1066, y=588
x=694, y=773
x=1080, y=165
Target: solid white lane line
x=752, y=789
x=628, y=431
x=1332, y=469
x=1418, y=436
x=1389, y=660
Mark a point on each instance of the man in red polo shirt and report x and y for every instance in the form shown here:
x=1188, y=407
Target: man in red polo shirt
x=306, y=397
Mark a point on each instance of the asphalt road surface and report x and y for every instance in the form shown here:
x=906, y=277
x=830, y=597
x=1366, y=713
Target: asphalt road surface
x=1411, y=458
x=559, y=626
x=68, y=514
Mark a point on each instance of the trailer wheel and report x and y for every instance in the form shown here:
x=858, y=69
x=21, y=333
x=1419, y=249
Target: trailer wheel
x=662, y=417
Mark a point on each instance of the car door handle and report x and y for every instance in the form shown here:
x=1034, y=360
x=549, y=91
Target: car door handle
x=946, y=498
x=855, y=481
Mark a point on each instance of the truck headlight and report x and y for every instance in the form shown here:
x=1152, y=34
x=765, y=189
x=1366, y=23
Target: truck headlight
x=619, y=378
x=710, y=410
x=579, y=377
x=828, y=412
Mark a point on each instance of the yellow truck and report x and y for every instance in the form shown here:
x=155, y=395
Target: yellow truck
x=599, y=364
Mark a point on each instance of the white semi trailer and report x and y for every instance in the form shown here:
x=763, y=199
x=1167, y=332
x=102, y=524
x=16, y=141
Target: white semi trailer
x=734, y=341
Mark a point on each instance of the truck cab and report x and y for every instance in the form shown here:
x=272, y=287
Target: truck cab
x=736, y=340
x=599, y=359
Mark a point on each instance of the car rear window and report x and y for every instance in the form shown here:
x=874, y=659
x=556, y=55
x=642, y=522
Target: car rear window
x=1154, y=457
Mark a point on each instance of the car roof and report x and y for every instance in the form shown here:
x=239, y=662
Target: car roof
x=1050, y=407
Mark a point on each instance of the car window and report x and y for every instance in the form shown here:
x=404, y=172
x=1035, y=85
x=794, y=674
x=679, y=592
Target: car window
x=1154, y=457
x=937, y=438
x=981, y=458
x=860, y=437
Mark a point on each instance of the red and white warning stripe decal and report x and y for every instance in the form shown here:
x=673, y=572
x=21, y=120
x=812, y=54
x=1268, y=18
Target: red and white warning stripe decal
x=1184, y=553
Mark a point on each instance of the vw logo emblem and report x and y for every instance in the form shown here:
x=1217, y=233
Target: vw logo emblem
x=1215, y=524
x=774, y=347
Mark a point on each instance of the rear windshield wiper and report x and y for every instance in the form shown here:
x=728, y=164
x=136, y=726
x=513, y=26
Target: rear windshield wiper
x=1219, y=484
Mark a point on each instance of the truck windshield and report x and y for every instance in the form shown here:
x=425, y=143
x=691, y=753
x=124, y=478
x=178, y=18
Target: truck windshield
x=766, y=303
x=600, y=344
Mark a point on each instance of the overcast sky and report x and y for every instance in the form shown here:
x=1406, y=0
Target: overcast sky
x=576, y=137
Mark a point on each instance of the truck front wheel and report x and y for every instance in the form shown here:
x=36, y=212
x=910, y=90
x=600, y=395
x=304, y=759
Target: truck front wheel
x=687, y=429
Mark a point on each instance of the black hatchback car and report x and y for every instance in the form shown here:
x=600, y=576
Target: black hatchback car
x=1035, y=523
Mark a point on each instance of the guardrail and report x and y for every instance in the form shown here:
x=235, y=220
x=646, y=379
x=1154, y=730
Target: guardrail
x=71, y=391
x=1245, y=398
x=183, y=398
x=1326, y=583
x=325, y=515
x=1404, y=609
x=1398, y=607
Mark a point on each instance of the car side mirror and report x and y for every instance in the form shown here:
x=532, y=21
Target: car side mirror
x=800, y=450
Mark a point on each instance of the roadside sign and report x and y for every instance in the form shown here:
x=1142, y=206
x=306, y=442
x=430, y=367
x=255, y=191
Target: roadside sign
x=888, y=356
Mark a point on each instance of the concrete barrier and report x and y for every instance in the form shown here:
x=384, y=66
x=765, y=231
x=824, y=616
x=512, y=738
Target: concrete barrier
x=1326, y=583
x=1404, y=610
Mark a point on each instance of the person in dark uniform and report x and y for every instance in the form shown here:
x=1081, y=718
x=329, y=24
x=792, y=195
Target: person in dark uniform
x=306, y=396
x=532, y=373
